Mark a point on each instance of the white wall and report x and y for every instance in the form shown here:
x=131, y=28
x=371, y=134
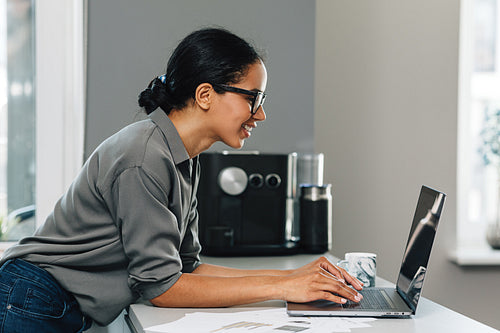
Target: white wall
x=386, y=119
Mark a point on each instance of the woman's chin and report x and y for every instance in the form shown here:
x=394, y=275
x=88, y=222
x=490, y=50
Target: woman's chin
x=236, y=144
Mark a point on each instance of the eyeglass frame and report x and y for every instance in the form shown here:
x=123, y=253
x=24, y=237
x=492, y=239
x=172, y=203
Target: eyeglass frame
x=237, y=90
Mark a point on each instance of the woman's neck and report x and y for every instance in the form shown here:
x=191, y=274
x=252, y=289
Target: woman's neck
x=192, y=129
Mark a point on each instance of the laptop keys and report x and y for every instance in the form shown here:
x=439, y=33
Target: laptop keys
x=372, y=299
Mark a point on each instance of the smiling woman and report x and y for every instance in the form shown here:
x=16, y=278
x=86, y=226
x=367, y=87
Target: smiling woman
x=128, y=224
x=199, y=74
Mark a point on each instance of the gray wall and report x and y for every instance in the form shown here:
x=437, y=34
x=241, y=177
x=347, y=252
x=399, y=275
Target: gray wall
x=130, y=41
x=386, y=119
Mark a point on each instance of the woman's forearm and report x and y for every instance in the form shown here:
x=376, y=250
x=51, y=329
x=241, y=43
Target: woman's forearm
x=197, y=290
x=218, y=286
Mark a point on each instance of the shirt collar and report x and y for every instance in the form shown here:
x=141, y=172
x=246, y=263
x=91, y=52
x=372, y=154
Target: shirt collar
x=174, y=141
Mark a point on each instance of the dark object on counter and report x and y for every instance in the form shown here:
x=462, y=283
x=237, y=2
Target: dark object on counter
x=315, y=218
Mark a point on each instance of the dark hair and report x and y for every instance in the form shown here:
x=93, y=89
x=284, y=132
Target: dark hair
x=210, y=55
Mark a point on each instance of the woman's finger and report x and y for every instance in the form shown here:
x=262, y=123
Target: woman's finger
x=352, y=280
x=333, y=298
x=340, y=287
x=327, y=265
x=341, y=274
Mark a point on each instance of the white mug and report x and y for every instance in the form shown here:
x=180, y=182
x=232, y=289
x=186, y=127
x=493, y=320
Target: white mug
x=361, y=265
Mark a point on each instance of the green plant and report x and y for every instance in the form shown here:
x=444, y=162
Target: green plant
x=490, y=136
x=5, y=226
x=2, y=226
x=490, y=150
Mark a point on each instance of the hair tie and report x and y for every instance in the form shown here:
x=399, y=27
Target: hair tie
x=162, y=78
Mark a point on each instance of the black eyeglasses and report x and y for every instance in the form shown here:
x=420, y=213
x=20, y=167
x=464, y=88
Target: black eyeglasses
x=258, y=96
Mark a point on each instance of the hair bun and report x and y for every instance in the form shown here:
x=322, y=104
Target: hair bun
x=156, y=95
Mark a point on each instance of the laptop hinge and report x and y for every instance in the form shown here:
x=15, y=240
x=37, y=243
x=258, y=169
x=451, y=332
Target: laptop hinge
x=405, y=298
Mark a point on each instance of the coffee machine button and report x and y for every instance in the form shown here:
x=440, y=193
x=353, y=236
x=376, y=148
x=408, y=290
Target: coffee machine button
x=233, y=180
x=256, y=180
x=273, y=180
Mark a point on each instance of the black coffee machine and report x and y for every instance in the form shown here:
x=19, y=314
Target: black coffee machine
x=246, y=204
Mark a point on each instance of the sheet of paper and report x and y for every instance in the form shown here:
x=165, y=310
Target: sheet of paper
x=261, y=321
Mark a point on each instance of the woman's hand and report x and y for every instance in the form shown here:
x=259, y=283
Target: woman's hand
x=320, y=279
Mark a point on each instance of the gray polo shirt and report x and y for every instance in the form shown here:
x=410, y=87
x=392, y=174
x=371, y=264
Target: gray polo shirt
x=127, y=226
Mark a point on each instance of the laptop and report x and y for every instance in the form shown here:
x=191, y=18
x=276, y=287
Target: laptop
x=392, y=302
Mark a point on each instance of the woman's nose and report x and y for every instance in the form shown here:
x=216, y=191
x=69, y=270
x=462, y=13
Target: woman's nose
x=260, y=115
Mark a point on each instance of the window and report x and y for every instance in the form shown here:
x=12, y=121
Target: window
x=52, y=149
x=17, y=119
x=478, y=182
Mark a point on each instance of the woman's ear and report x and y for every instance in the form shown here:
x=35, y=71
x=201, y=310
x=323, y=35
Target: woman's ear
x=204, y=95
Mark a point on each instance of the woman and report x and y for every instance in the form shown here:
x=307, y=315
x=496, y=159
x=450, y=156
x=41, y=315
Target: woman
x=127, y=226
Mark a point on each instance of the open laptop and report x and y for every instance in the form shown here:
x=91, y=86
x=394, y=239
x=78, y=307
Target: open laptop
x=392, y=302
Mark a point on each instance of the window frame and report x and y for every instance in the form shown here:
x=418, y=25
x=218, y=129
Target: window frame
x=61, y=35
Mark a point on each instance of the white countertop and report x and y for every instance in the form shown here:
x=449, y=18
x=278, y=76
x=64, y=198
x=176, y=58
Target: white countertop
x=430, y=316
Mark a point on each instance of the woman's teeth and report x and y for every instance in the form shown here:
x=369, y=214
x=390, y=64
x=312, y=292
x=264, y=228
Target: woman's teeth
x=248, y=128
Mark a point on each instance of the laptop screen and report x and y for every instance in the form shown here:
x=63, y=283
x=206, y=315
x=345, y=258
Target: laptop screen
x=418, y=248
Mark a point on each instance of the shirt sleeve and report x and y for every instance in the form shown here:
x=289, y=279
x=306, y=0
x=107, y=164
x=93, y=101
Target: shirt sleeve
x=190, y=247
x=150, y=232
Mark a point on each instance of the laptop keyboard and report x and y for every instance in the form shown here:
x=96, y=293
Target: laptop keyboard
x=372, y=299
